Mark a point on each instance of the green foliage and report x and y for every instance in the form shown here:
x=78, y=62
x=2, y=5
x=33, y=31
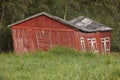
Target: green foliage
x=52, y=65
x=61, y=50
x=5, y=40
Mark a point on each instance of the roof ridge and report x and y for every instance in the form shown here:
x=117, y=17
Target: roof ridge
x=48, y=15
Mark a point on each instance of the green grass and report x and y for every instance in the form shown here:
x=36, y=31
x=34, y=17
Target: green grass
x=59, y=63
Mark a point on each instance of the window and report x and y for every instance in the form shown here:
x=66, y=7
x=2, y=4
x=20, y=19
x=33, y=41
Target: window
x=82, y=44
x=105, y=44
x=92, y=45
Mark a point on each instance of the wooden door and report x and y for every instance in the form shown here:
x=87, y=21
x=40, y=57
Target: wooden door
x=43, y=39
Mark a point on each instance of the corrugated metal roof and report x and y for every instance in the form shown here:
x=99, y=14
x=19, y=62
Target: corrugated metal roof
x=88, y=25
x=81, y=23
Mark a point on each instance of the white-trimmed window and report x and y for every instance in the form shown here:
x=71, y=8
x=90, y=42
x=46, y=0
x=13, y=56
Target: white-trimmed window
x=92, y=44
x=105, y=44
x=82, y=41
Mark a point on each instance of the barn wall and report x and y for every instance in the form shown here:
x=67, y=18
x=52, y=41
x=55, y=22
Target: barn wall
x=64, y=38
x=106, y=35
x=42, y=33
x=49, y=38
x=23, y=40
x=29, y=40
x=84, y=44
x=85, y=37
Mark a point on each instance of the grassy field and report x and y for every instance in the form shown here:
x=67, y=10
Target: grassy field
x=59, y=64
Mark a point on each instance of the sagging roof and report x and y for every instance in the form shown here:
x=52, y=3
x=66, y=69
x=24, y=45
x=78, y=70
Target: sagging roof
x=81, y=23
x=89, y=25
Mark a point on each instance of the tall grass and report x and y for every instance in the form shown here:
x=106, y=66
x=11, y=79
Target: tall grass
x=59, y=63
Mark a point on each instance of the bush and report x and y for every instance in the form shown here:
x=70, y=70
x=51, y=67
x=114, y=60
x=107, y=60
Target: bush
x=61, y=50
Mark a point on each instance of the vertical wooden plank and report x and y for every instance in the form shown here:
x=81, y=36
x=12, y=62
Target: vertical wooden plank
x=72, y=39
x=68, y=38
x=14, y=39
x=18, y=40
x=50, y=38
x=65, y=39
x=57, y=37
x=98, y=38
x=110, y=40
x=76, y=40
x=61, y=38
x=86, y=36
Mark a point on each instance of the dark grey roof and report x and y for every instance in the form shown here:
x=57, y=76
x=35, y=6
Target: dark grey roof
x=80, y=23
x=89, y=25
x=51, y=16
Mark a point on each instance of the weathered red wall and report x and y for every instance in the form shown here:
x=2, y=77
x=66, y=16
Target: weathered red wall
x=106, y=34
x=41, y=33
x=97, y=36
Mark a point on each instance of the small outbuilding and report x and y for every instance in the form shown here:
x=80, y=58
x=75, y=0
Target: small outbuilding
x=42, y=31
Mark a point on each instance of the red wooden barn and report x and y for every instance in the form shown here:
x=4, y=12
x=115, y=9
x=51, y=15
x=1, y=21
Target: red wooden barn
x=42, y=31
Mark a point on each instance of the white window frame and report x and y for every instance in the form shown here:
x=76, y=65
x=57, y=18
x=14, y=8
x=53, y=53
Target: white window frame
x=93, y=45
x=82, y=41
x=105, y=48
